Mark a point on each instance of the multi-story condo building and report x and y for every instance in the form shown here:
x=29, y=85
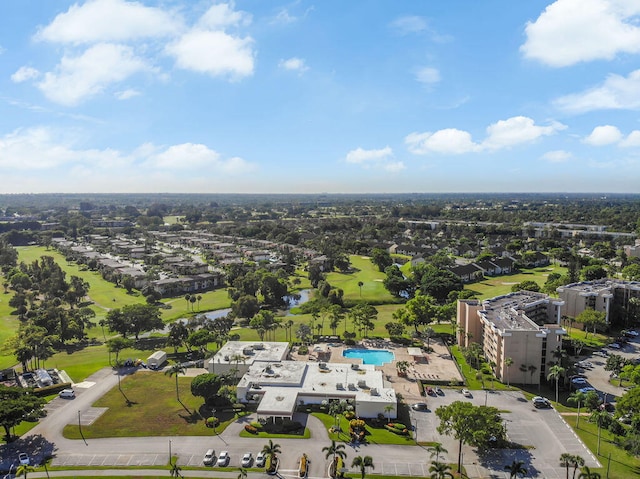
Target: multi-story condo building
x=522, y=326
x=610, y=296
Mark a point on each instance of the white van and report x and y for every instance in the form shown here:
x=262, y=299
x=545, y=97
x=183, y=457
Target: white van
x=67, y=394
x=209, y=458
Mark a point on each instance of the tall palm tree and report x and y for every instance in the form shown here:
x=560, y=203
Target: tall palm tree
x=334, y=450
x=388, y=410
x=508, y=362
x=271, y=449
x=566, y=460
x=515, y=468
x=176, y=370
x=436, y=450
x=440, y=470
x=175, y=470
x=600, y=417
x=586, y=473
x=362, y=463
x=556, y=372
x=576, y=461
x=577, y=397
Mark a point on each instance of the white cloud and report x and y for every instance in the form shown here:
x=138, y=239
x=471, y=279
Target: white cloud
x=557, y=156
x=502, y=134
x=191, y=155
x=223, y=15
x=573, y=31
x=379, y=159
x=632, y=140
x=25, y=73
x=284, y=17
x=77, y=78
x=109, y=21
x=294, y=64
x=448, y=141
x=603, y=135
x=214, y=52
x=42, y=148
x=516, y=130
x=428, y=75
x=409, y=24
x=126, y=94
x=616, y=93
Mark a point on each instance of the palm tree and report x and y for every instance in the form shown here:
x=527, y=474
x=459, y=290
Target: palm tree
x=515, y=468
x=243, y=473
x=388, y=410
x=23, y=469
x=600, y=417
x=362, y=463
x=436, y=450
x=175, y=470
x=334, y=450
x=532, y=370
x=360, y=285
x=577, y=397
x=576, y=461
x=566, y=460
x=556, y=372
x=587, y=474
x=440, y=470
x=508, y=362
x=176, y=370
x=271, y=449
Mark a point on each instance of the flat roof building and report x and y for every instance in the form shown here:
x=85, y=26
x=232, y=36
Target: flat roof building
x=523, y=326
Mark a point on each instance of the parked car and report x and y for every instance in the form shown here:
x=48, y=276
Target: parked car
x=247, y=459
x=607, y=406
x=223, y=459
x=578, y=381
x=633, y=333
x=419, y=406
x=587, y=389
x=602, y=354
x=540, y=402
x=23, y=457
x=439, y=391
x=209, y=457
x=261, y=458
x=430, y=391
x=466, y=393
x=67, y=393
x=614, y=346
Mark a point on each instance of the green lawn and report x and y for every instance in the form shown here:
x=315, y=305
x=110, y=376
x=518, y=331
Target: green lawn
x=372, y=291
x=499, y=285
x=375, y=435
x=153, y=411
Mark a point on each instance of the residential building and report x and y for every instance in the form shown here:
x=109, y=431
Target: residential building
x=523, y=326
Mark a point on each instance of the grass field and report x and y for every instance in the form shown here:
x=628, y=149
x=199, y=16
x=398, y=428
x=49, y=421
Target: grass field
x=499, y=285
x=372, y=291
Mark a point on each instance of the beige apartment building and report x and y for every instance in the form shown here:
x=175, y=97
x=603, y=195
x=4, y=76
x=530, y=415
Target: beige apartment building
x=610, y=296
x=523, y=326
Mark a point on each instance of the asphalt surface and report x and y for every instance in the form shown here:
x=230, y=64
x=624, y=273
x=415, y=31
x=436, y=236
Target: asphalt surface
x=543, y=431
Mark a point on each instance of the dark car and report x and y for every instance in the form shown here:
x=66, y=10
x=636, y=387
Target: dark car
x=419, y=406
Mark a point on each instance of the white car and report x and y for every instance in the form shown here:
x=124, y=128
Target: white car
x=247, y=459
x=602, y=354
x=633, y=333
x=261, y=458
x=540, y=402
x=466, y=393
x=23, y=457
x=223, y=459
x=67, y=393
x=209, y=458
x=614, y=346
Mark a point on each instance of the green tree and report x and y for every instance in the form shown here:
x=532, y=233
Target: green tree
x=591, y=318
x=440, y=470
x=555, y=373
x=18, y=404
x=577, y=397
x=576, y=461
x=23, y=469
x=587, y=473
x=117, y=344
x=206, y=385
x=566, y=460
x=334, y=450
x=381, y=258
x=176, y=370
x=436, y=450
x=516, y=468
x=508, y=362
x=469, y=424
x=362, y=463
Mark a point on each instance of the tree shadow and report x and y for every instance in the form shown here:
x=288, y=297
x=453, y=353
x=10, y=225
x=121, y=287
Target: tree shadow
x=37, y=447
x=497, y=459
x=192, y=417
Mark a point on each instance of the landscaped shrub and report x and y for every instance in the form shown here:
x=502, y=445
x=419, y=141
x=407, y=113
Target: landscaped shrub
x=356, y=423
x=395, y=430
x=251, y=429
x=303, y=350
x=257, y=425
x=348, y=415
x=212, y=421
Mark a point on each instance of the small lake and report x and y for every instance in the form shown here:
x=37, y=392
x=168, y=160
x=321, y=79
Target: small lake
x=301, y=297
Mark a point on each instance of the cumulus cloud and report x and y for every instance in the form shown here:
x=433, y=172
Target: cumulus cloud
x=214, y=52
x=126, y=94
x=557, y=156
x=294, y=64
x=192, y=155
x=502, y=134
x=24, y=73
x=109, y=21
x=223, y=15
x=380, y=159
x=616, y=93
x=632, y=140
x=409, y=24
x=428, y=75
x=603, y=135
x=77, y=78
x=573, y=31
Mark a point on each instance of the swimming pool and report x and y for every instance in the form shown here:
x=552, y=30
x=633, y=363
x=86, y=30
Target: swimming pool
x=377, y=357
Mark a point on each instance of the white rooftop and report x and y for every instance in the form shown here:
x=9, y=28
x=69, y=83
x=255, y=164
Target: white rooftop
x=250, y=352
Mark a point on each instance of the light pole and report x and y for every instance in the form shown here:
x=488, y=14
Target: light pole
x=170, y=459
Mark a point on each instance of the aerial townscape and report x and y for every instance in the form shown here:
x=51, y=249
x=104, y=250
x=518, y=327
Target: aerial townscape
x=320, y=239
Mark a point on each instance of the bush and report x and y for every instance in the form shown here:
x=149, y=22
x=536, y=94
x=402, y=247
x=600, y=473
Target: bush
x=303, y=350
x=349, y=342
x=257, y=425
x=348, y=415
x=402, y=432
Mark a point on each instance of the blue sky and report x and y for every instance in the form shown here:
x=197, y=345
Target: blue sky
x=258, y=96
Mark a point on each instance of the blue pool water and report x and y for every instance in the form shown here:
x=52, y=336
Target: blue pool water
x=377, y=357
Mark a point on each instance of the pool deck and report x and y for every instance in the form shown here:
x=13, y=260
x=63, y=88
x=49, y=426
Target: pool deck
x=436, y=367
